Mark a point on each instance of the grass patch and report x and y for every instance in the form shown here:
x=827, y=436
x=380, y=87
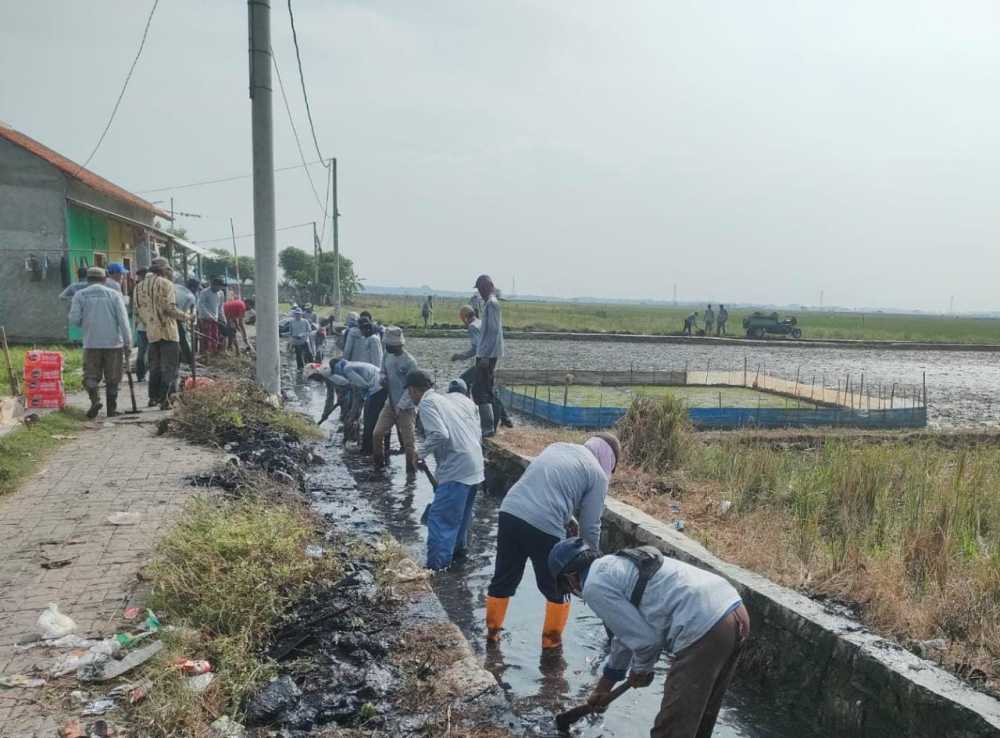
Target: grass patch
x=225, y=575
x=72, y=366
x=210, y=414
x=656, y=433
x=26, y=447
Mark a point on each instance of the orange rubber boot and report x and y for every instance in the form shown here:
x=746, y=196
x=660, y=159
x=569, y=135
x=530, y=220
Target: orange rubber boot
x=556, y=617
x=496, y=611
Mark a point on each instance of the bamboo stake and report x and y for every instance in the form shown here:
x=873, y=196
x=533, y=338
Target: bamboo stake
x=15, y=387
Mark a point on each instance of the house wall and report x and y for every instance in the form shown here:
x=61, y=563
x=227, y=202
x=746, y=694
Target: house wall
x=32, y=221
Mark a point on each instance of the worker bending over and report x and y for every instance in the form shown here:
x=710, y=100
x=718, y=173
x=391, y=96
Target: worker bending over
x=451, y=435
x=364, y=381
x=565, y=483
x=337, y=394
x=651, y=604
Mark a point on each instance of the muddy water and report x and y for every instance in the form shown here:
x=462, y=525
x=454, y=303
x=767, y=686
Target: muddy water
x=357, y=497
x=963, y=387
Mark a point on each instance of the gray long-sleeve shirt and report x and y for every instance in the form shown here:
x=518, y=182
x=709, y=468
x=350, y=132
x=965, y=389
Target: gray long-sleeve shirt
x=368, y=349
x=680, y=605
x=210, y=305
x=395, y=367
x=351, y=343
x=365, y=377
x=475, y=333
x=452, y=434
x=100, y=311
x=491, y=339
x=564, y=481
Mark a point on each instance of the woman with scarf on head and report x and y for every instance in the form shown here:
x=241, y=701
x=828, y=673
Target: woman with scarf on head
x=566, y=483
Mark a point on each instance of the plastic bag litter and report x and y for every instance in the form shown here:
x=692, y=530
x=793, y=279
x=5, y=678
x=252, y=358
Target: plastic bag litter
x=124, y=518
x=70, y=641
x=226, y=727
x=201, y=682
x=22, y=681
x=98, y=707
x=100, y=652
x=407, y=570
x=53, y=624
x=314, y=552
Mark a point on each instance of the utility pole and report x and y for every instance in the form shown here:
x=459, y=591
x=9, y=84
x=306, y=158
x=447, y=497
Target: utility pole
x=236, y=262
x=336, y=244
x=315, y=264
x=264, y=243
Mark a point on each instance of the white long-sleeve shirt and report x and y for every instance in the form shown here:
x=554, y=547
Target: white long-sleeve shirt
x=563, y=482
x=491, y=338
x=680, y=605
x=366, y=377
x=367, y=349
x=452, y=434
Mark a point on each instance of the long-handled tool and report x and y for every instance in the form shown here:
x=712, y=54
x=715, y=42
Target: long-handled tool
x=422, y=466
x=131, y=385
x=15, y=390
x=565, y=720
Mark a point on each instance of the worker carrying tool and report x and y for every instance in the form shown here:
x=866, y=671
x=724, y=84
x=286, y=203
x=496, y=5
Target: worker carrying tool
x=452, y=436
x=566, y=483
x=652, y=603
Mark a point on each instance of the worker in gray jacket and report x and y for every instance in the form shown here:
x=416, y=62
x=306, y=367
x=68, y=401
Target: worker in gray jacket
x=488, y=353
x=398, y=409
x=475, y=328
x=566, y=483
x=653, y=604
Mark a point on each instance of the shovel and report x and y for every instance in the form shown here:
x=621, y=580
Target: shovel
x=565, y=720
x=131, y=387
x=422, y=466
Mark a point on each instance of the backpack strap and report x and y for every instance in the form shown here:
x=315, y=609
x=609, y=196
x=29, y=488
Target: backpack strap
x=648, y=560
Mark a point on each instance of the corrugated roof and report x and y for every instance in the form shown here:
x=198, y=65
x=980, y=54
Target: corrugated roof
x=74, y=170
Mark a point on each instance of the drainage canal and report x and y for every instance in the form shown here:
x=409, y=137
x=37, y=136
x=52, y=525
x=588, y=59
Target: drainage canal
x=358, y=498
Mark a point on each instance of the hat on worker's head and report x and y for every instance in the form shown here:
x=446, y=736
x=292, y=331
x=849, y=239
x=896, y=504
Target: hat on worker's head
x=394, y=336
x=159, y=263
x=352, y=319
x=95, y=273
x=116, y=268
x=483, y=278
x=419, y=378
x=459, y=386
x=569, y=556
x=606, y=448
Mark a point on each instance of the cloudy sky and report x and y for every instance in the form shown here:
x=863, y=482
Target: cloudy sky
x=744, y=151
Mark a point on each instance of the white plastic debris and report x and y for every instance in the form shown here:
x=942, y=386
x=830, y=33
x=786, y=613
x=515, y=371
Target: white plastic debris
x=124, y=518
x=725, y=506
x=315, y=552
x=200, y=683
x=226, y=727
x=54, y=624
x=406, y=570
x=22, y=681
x=678, y=525
x=98, y=707
x=77, y=659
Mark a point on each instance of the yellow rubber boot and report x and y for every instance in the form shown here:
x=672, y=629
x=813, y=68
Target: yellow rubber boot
x=556, y=617
x=496, y=611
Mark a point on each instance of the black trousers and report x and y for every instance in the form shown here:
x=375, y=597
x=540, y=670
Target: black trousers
x=499, y=411
x=185, y=347
x=164, y=357
x=373, y=406
x=518, y=541
x=482, y=385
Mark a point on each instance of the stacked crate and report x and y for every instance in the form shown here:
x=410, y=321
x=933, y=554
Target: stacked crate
x=43, y=380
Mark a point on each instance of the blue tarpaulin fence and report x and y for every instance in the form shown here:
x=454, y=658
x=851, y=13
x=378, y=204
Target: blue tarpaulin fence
x=722, y=418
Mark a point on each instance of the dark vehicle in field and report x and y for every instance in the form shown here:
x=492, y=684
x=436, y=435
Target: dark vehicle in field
x=758, y=325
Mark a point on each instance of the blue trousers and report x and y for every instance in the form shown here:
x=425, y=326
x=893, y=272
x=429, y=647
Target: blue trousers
x=448, y=522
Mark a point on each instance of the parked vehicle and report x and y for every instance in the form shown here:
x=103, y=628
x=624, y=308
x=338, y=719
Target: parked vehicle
x=758, y=325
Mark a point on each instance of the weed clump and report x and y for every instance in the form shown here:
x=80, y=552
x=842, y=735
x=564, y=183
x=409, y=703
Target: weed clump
x=655, y=433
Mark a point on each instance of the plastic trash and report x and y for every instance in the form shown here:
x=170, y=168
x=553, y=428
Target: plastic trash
x=407, y=570
x=53, y=624
x=188, y=666
x=77, y=659
x=226, y=727
x=725, y=506
x=200, y=683
x=274, y=699
x=315, y=552
x=124, y=518
x=678, y=525
x=22, y=681
x=131, y=613
x=152, y=622
x=98, y=707
x=72, y=729
x=110, y=669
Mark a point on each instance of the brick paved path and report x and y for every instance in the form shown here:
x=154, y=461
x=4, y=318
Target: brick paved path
x=61, y=512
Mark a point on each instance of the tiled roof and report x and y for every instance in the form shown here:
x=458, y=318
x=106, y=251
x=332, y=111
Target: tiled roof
x=74, y=170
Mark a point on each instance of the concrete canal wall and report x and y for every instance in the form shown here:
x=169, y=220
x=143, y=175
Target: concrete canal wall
x=849, y=680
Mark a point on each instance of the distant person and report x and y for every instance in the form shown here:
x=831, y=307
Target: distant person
x=709, y=320
x=651, y=603
x=690, y=324
x=186, y=302
x=309, y=314
x=398, y=409
x=566, y=483
x=210, y=317
x=451, y=435
x=300, y=336
x=488, y=353
x=352, y=334
x=427, y=310
x=81, y=283
x=141, y=341
x=720, y=323
x=107, y=337
x=235, y=311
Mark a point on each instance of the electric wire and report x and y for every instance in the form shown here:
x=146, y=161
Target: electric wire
x=249, y=235
x=302, y=80
x=221, y=180
x=295, y=133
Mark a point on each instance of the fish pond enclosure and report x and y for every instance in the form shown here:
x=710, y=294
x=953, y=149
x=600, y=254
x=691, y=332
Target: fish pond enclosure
x=715, y=399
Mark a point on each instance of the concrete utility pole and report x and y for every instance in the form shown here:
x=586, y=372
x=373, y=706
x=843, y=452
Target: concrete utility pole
x=336, y=244
x=264, y=243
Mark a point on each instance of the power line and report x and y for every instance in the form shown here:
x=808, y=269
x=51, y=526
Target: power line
x=250, y=235
x=121, y=94
x=295, y=132
x=302, y=79
x=221, y=180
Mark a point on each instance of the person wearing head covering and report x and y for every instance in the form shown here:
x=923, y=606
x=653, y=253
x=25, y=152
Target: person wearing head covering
x=80, y=284
x=368, y=348
x=364, y=381
x=651, y=604
x=300, y=333
x=474, y=326
x=451, y=436
x=566, y=483
x=235, y=311
x=488, y=354
x=336, y=386
x=107, y=335
x=141, y=340
x=351, y=335
x=398, y=409
x=210, y=316
x=116, y=276
x=156, y=303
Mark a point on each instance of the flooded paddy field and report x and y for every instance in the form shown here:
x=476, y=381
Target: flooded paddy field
x=963, y=387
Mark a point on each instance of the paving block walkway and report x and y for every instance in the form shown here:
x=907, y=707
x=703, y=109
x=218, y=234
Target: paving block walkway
x=61, y=513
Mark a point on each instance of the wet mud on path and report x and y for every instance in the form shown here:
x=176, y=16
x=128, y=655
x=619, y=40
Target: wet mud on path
x=358, y=499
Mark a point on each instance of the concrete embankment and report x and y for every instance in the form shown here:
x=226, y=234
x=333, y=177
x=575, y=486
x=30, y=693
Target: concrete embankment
x=823, y=664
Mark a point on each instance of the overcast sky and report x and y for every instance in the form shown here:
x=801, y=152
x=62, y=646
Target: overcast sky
x=746, y=151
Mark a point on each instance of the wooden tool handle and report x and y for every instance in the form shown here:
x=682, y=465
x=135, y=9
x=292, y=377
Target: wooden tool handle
x=565, y=719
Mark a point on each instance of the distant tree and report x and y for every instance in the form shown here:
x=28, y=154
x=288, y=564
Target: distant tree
x=300, y=272
x=223, y=263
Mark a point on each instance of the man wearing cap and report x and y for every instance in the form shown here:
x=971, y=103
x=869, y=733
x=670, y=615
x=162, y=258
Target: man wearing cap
x=652, y=603
x=116, y=277
x=369, y=350
x=364, y=381
x=80, y=284
x=156, y=304
x=107, y=336
x=566, y=483
x=475, y=328
x=300, y=333
x=451, y=435
x=186, y=301
x=210, y=317
x=398, y=409
x=488, y=354
x=351, y=335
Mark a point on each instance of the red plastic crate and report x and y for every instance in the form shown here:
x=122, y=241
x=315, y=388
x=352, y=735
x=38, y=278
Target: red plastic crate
x=43, y=387
x=45, y=360
x=45, y=402
x=34, y=374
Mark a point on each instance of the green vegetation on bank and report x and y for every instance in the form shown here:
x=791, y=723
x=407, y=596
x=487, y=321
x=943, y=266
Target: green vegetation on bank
x=72, y=366
x=662, y=320
x=23, y=449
